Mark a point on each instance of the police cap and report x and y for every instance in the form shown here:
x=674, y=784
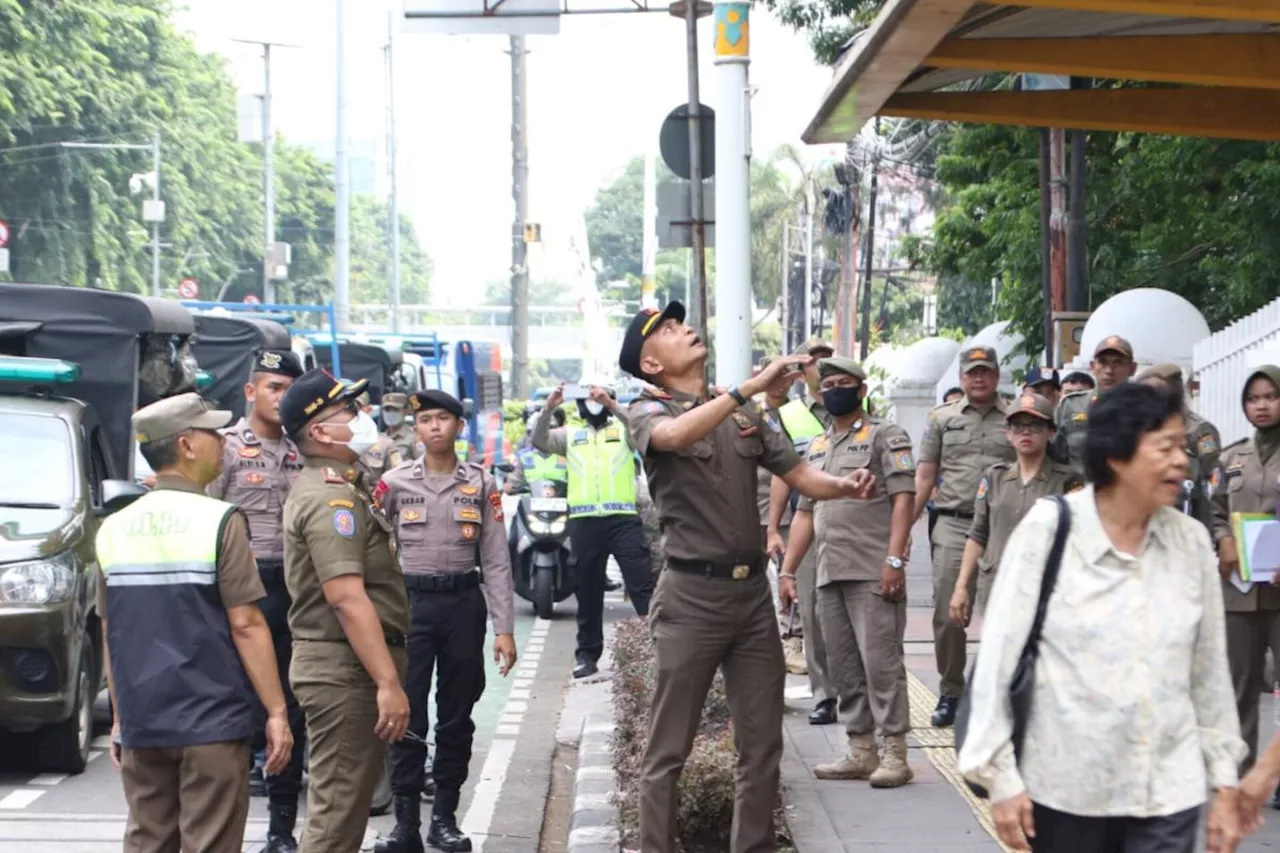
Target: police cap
x=173, y=415
x=424, y=401
x=1031, y=404
x=975, y=357
x=279, y=361
x=395, y=400
x=841, y=364
x=312, y=392
x=1116, y=344
x=1041, y=376
x=644, y=324
x=1167, y=372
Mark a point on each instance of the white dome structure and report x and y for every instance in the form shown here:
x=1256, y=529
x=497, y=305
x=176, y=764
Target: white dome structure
x=925, y=361
x=1004, y=344
x=1162, y=326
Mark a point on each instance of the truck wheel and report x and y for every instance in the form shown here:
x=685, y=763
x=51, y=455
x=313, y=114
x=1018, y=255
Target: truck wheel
x=64, y=747
x=381, y=803
x=544, y=593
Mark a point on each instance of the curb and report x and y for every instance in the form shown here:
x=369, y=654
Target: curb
x=593, y=828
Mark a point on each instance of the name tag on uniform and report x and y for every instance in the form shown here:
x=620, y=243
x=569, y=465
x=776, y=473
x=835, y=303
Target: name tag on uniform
x=469, y=514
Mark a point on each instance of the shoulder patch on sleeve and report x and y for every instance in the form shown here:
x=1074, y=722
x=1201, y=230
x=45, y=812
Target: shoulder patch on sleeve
x=1206, y=446
x=983, y=486
x=344, y=523
x=495, y=505
x=652, y=408
x=903, y=460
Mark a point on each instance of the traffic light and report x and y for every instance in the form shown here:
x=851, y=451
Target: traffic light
x=532, y=232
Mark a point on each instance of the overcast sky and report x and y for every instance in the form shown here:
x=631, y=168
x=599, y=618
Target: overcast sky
x=598, y=92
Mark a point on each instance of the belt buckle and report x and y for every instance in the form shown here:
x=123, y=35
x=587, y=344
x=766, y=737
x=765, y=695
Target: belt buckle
x=741, y=572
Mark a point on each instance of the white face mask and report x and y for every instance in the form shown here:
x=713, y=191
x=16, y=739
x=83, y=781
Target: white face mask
x=593, y=407
x=364, y=434
x=392, y=419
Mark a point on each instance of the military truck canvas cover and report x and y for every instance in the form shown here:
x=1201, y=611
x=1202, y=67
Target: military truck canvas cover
x=226, y=346
x=365, y=361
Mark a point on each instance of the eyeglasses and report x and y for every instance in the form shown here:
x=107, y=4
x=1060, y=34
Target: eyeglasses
x=349, y=407
x=1028, y=427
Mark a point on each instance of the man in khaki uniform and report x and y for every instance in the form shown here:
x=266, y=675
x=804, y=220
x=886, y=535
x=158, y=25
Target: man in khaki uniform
x=447, y=515
x=861, y=576
x=1006, y=492
x=1204, y=445
x=399, y=427
x=1249, y=481
x=712, y=608
x=350, y=612
x=961, y=441
x=1113, y=365
x=382, y=455
x=259, y=464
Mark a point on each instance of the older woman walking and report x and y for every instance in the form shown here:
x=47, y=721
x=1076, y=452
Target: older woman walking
x=1132, y=717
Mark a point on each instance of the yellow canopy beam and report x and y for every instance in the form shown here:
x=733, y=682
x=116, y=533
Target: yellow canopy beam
x=1247, y=60
x=1265, y=11
x=1226, y=113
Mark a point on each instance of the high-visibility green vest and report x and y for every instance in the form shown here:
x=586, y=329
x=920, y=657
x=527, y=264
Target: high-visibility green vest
x=800, y=424
x=461, y=449
x=179, y=680
x=602, y=472
x=542, y=466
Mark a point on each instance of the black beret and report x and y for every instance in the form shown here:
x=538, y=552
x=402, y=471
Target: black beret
x=281, y=361
x=423, y=401
x=642, y=326
x=310, y=393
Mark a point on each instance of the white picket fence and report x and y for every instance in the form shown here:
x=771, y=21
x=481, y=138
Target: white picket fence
x=1222, y=362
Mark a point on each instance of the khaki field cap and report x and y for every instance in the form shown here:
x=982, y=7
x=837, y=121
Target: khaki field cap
x=841, y=364
x=168, y=417
x=974, y=357
x=395, y=400
x=1031, y=404
x=1116, y=344
x=817, y=345
x=1170, y=373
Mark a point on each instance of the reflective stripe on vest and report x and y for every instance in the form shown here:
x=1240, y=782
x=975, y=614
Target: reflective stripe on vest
x=462, y=449
x=602, y=472
x=800, y=424
x=179, y=680
x=543, y=466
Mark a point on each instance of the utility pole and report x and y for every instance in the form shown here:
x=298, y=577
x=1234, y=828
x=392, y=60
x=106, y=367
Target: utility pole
x=809, y=204
x=393, y=211
x=865, y=335
x=342, y=214
x=155, y=222
x=519, y=249
x=1077, y=250
x=697, y=288
x=649, y=265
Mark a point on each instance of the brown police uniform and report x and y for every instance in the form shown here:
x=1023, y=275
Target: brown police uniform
x=712, y=609
x=331, y=530
x=402, y=435
x=964, y=440
x=863, y=631
x=1248, y=480
x=379, y=459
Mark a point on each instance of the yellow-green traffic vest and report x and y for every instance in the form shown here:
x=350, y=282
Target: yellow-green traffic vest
x=178, y=677
x=800, y=424
x=602, y=472
x=461, y=449
x=542, y=466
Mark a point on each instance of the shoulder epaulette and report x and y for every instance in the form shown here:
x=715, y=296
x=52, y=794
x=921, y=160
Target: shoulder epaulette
x=1241, y=443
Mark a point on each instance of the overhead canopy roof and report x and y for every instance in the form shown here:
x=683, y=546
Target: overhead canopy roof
x=1215, y=63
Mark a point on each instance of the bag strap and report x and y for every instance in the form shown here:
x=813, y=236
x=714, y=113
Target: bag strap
x=1051, y=567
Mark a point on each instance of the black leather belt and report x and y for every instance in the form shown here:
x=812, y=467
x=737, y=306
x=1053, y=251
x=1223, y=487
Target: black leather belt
x=271, y=571
x=457, y=582
x=952, y=513
x=718, y=571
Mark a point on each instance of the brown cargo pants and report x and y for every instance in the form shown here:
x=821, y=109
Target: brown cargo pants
x=700, y=624
x=186, y=798
x=864, y=640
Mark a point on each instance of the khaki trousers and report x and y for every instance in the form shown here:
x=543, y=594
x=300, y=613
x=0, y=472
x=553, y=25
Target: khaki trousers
x=193, y=799
x=340, y=703
x=1249, y=635
x=698, y=625
x=864, y=640
x=808, y=621
x=948, y=638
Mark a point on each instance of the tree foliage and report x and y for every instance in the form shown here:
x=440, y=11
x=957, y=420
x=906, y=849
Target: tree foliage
x=116, y=71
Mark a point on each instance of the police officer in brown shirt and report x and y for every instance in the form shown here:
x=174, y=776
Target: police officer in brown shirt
x=447, y=515
x=399, y=426
x=1006, y=492
x=350, y=613
x=712, y=608
x=259, y=465
x=383, y=454
x=1248, y=480
x=1204, y=446
x=861, y=575
x=961, y=441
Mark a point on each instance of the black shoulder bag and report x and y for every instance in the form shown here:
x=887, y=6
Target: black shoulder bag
x=1022, y=685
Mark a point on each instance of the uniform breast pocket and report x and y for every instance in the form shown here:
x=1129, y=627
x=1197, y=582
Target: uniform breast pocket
x=255, y=492
x=850, y=462
x=955, y=437
x=1235, y=482
x=411, y=527
x=697, y=450
x=467, y=521
x=749, y=446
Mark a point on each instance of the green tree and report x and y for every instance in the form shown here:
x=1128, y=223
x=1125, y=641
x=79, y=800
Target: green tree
x=829, y=23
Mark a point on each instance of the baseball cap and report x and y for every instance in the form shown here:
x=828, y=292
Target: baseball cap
x=312, y=392
x=644, y=324
x=841, y=364
x=974, y=357
x=1031, y=404
x=1040, y=375
x=395, y=400
x=1167, y=372
x=279, y=361
x=172, y=415
x=1116, y=344
x=424, y=401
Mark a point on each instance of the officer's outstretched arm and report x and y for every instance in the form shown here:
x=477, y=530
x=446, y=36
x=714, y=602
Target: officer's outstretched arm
x=821, y=486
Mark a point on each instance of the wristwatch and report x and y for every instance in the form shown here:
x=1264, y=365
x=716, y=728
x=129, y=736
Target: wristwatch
x=737, y=395
x=894, y=562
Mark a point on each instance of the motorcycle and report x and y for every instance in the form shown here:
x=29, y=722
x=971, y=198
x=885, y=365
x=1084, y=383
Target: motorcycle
x=544, y=572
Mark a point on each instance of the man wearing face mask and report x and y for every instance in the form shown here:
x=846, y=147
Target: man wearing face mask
x=398, y=426
x=350, y=612
x=381, y=454
x=602, y=512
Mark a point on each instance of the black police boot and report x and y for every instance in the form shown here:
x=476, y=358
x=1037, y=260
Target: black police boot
x=586, y=666
x=257, y=783
x=823, y=714
x=406, y=837
x=945, y=714
x=280, y=831
x=611, y=585
x=444, y=833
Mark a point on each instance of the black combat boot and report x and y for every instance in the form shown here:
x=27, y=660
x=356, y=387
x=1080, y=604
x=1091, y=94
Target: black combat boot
x=280, y=830
x=444, y=833
x=407, y=835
